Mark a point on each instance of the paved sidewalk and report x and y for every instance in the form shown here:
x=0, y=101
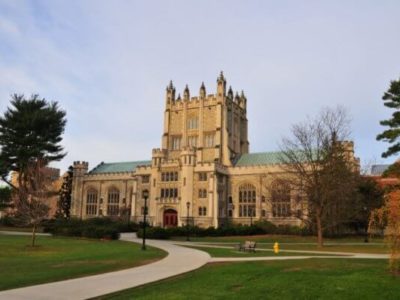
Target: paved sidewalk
x=180, y=260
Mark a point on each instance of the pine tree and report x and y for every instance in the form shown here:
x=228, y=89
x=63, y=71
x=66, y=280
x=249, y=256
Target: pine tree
x=30, y=130
x=64, y=203
x=391, y=99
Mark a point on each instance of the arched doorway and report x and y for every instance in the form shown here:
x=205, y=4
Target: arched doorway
x=170, y=218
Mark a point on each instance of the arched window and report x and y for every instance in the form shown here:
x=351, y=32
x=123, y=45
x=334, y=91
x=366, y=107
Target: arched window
x=247, y=200
x=280, y=198
x=113, y=202
x=91, y=202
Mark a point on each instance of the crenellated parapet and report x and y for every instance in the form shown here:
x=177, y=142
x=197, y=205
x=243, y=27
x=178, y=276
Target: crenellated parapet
x=188, y=102
x=158, y=156
x=80, y=168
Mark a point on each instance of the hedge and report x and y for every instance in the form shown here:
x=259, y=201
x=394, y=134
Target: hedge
x=263, y=227
x=100, y=228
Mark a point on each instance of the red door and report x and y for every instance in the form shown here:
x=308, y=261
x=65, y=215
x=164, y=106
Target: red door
x=170, y=218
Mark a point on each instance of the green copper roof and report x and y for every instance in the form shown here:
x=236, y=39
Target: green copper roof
x=262, y=158
x=118, y=167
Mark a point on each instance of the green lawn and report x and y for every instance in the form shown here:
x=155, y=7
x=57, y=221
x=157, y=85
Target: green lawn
x=309, y=243
x=58, y=258
x=299, y=279
x=271, y=238
x=232, y=252
x=19, y=229
x=340, y=247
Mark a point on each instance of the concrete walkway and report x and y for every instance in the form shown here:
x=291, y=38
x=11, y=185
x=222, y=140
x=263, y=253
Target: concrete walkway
x=179, y=260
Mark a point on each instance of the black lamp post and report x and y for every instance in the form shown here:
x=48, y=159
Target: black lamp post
x=145, y=195
x=187, y=221
x=251, y=215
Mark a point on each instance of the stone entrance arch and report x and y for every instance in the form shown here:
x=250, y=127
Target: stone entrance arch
x=170, y=218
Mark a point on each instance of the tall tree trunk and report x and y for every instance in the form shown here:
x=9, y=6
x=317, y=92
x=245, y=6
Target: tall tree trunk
x=33, y=235
x=319, y=231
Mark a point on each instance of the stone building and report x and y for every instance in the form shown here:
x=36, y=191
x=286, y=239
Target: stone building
x=203, y=173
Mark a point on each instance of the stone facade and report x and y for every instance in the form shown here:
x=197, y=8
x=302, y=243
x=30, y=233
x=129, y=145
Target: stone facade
x=202, y=174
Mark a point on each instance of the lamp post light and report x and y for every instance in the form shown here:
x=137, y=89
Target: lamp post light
x=145, y=195
x=187, y=221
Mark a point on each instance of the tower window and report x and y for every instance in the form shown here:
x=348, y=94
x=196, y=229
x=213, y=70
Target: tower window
x=193, y=123
x=176, y=143
x=192, y=141
x=202, y=176
x=202, y=211
x=202, y=193
x=209, y=140
x=169, y=176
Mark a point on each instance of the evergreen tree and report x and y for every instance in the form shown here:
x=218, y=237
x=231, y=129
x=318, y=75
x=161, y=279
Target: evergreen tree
x=30, y=135
x=30, y=130
x=64, y=203
x=391, y=99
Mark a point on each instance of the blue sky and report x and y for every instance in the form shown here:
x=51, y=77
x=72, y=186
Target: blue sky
x=108, y=62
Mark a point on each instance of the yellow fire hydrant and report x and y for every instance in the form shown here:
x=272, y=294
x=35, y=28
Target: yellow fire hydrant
x=276, y=248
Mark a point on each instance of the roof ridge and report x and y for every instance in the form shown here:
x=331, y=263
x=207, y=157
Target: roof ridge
x=261, y=152
x=125, y=162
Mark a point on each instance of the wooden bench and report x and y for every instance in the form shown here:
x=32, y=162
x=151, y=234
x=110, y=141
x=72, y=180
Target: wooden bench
x=247, y=246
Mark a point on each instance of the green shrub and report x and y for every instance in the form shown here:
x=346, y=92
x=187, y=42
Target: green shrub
x=101, y=232
x=99, y=228
x=157, y=233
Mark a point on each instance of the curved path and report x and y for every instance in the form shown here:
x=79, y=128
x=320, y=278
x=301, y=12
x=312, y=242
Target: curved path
x=179, y=260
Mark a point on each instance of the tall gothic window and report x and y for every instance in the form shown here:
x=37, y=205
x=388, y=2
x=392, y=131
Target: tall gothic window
x=209, y=140
x=280, y=198
x=193, y=123
x=192, y=141
x=91, y=202
x=247, y=200
x=176, y=143
x=113, y=202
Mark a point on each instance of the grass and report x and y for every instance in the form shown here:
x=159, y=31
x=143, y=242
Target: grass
x=300, y=279
x=232, y=252
x=308, y=243
x=271, y=238
x=62, y=258
x=339, y=247
x=19, y=229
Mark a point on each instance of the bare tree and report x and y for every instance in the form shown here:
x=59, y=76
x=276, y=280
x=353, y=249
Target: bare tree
x=30, y=205
x=321, y=168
